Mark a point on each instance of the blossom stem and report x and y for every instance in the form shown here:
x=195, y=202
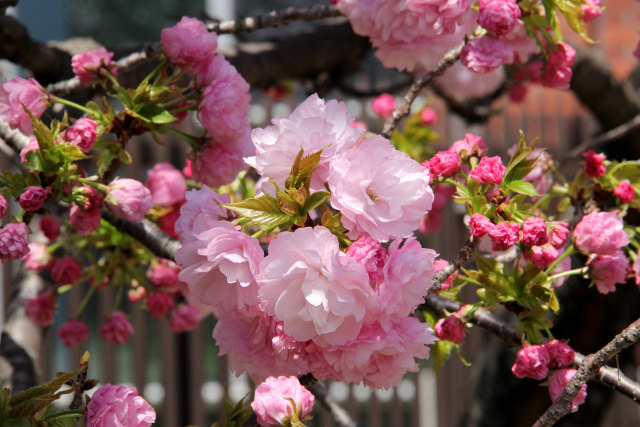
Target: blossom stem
x=189, y=139
x=85, y=301
x=96, y=185
x=265, y=230
x=581, y=270
x=570, y=251
x=72, y=104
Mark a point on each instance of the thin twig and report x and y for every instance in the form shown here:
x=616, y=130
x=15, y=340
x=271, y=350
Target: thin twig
x=418, y=86
x=461, y=257
x=275, y=19
x=587, y=370
x=338, y=413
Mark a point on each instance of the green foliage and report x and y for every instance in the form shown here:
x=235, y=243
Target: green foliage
x=235, y=415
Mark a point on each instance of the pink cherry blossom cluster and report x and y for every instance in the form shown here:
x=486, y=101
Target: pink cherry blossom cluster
x=224, y=102
x=534, y=361
x=280, y=401
x=116, y=405
x=88, y=66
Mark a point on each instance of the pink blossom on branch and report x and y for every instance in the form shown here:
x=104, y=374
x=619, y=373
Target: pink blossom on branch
x=166, y=183
x=428, y=116
x=278, y=401
x=542, y=256
x=559, y=234
x=33, y=198
x=498, y=17
x=116, y=328
x=444, y=163
x=450, y=328
x=600, y=233
x=534, y=231
x=607, y=270
x=116, y=405
x=372, y=255
x=129, y=199
x=82, y=133
x=14, y=241
x=14, y=94
x=485, y=54
x=73, y=332
x=65, y=271
x=532, y=362
x=189, y=43
x=560, y=352
x=559, y=380
x=184, y=318
x=86, y=66
x=40, y=309
x=504, y=235
x=489, y=170
x=624, y=191
x=218, y=163
x=593, y=164
x=480, y=225
x=470, y=145
x=383, y=105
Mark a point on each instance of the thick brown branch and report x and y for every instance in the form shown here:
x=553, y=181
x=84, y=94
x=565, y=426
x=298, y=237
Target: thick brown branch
x=587, y=370
x=418, y=86
x=275, y=19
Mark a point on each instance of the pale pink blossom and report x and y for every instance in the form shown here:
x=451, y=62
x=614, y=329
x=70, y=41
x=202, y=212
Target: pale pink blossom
x=202, y=208
x=50, y=228
x=594, y=164
x=383, y=105
x=480, y=225
x=82, y=133
x=444, y=163
x=317, y=291
x=607, y=270
x=218, y=163
x=408, y=275
x=220, y=264
x=600, y=233
x=84, y=221
x=542, y=256
x=223, y=109
x=278, y=401
x=38, y=257
x=136, y=293
x=184, y=318
x=86, y=66
x=380, y=191
x=159, y=304
x=189, y=43
x=372, y=255
x=379, y=357
x=532, y=362
x=164, y=274
x=560, y=352
x=4, y=205
x=33, y=198
x=428, y=116
x=129, y=199
x=450, y=328
x=534, y=231
x=559, y=234
x=116, y=328
x=119, y=406
x=73, y=332
x=14, y=94
x=498, y=17
x=14, y=241
x=470, y=145
x=591, y=9
x=559, y=380
x=485, y=54
x=313, y=126
x=166, y=183
x=65, y=271
x=489, y=170
x=504, y=235
x=40, y=309
x=625, y=191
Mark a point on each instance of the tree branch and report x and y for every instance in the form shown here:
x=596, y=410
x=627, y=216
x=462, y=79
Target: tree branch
x=275, y=19
x=461, y=257
x=418, y=85
x=587, y=370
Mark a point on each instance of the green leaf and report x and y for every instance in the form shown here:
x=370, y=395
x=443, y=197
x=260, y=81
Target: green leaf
x=522, y=187
x=32, y=400
x=302, y=169
x=287, y=203
x=154, y=114
x=440, y=352
x=316, y=200
x=124, y=156
x=262, y=210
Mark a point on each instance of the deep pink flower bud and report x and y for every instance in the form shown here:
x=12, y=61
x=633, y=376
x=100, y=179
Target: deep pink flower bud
x=164, y=274
x=450, y=328
x=371, y=254
x=498, y=17
x=485, y=54
x=556, y=77
x=14, y=94
x=438, y=265
x=129, y=199
x=607, y=270
x=625, y=192
x=591, y=9
x=428, y=116
x=600, y=233
x=159, y=304
x=38, y=257
x=542, y=256
x=563, y=55
x=167, y=223
x=86, y=66
x=532, y=362
x=65, y=271
x=444, y=163
x=559, y=380
x=518, y=93
x=273, y=405
x=186, y=170
x=490, y=170
x=136, y=293
x=534, y=232
x=84, y=221
x=14, y=241
x=504, y=235
x=116, y=405
x=559, y=234
x=593, y=164
x=40, y=309
x=82, y=133
x=73, y=332
x=560, y=352
x=87, y=197
x=189, y=43
x=184, y=318
x=480, y=225
x=470, y=145
x=50, y=228
x=33, y=198
x=4, y=205
x=116, y=328
x=166, y=183
x=383, y=105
